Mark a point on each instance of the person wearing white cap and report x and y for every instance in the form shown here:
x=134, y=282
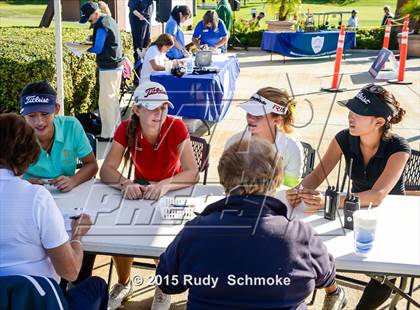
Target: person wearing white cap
x=160, y=148
x=270, y=115
x=387, y=15
x=353, y=20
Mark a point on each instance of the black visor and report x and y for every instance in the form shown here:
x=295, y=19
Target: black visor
x=368, y=104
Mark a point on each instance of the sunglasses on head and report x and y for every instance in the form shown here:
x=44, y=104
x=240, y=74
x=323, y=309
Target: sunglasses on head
x=377, y=89
x=374, y=89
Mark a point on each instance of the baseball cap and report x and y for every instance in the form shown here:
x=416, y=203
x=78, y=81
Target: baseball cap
x=257, y=105
x=37, y=103
x=86, y=10
x=151, y=95
x=367, y=103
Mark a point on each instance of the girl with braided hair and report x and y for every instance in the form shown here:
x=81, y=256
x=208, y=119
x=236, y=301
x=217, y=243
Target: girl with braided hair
x=161, y=151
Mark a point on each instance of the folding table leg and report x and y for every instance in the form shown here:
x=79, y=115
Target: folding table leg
x=128, y=105
x=397, y=290
x=397, y=296
x=410, y=292
x=111, y=264
x=207, y=126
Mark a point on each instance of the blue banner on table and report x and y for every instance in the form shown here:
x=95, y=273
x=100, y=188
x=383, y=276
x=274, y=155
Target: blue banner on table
x=205, y=97
x=305, y=44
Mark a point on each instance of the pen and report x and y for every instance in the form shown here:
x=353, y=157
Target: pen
x=313, y=210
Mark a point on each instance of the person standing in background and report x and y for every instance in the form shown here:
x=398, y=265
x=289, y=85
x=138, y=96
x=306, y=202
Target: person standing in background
x=109, y=59
x=387, y=14
x=224, y=11
x=353, y=20
x=179, y=15
x=140, y=21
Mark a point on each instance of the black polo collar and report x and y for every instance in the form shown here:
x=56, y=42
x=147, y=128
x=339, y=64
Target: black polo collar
x=355, y=147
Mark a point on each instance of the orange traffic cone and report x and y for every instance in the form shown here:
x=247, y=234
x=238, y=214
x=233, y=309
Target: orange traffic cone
x=339, y=56
x=403, y=54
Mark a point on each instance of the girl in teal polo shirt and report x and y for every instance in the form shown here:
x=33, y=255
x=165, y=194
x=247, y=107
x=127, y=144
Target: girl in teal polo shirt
x=61, y=138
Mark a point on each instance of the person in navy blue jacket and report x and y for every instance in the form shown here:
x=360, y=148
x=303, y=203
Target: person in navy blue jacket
x=243, y=252
x=140, y=22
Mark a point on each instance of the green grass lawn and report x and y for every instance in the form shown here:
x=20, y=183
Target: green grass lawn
x=17, y=13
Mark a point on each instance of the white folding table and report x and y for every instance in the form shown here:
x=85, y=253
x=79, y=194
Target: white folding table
x=136, y=227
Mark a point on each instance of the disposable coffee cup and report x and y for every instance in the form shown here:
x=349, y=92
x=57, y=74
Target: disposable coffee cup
x=168, y=66
x=365, y=222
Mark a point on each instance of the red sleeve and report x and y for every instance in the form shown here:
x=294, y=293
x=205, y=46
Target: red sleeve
x=179, y=132
x=119, y=135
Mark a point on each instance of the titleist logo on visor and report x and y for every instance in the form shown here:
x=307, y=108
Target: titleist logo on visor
x=36, y=99
x=363, y=98
x=152, y=91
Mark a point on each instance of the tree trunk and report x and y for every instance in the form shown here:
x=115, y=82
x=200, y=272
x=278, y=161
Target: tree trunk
x=400, y=3
x=281, y=10
x=48, y=15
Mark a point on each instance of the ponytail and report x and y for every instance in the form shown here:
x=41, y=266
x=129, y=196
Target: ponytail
x=281, y=97
x=183, y=9
x=398, y=112
x=131, y=134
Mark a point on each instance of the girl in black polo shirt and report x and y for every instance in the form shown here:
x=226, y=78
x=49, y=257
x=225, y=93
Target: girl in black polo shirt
x=379, y=158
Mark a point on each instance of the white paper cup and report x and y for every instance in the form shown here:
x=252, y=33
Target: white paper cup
x=189, y=64
x=168, y=66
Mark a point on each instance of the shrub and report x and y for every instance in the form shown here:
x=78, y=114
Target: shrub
x=373, y=39
x=28, y=54
x=365, y=38
x=248, y=33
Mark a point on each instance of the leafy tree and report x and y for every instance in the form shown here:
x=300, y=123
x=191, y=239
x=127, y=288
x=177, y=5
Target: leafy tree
x=284, y=8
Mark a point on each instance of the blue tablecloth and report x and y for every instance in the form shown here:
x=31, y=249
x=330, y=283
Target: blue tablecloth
x=304, y=44
x=206, y=96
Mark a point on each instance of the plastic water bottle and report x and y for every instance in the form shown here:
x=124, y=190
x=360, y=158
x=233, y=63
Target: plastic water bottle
x=189, y=66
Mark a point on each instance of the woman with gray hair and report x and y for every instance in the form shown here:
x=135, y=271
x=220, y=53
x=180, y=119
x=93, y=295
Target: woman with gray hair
x=213, y=256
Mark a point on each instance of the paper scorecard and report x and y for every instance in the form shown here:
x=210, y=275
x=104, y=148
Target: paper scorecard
x=78, y=49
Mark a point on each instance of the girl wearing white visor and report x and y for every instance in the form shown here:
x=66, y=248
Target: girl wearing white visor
x=163, y=158
x=270, y=115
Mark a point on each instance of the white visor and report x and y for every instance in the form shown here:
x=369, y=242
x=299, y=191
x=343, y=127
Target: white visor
x=258, y=106
x=151, y=95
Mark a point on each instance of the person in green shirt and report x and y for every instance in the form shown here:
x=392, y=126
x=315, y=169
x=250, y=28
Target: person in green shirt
x=61, y=138
x=224, y=11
